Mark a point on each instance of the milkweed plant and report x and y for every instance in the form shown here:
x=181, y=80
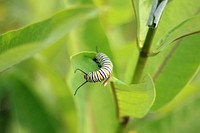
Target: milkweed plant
x=99, y=66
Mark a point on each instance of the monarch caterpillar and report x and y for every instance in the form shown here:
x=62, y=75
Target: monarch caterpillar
x=103, y=74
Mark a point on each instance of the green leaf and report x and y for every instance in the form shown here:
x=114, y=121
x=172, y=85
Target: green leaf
x=55, y=56
x=182, y=118
x=169, y=20
x=134, y=100
x=91, y=36
x=59, y=99
x=29, y=112
x=132, y=62
x=178, y=63
x=83, y=61
x=91, y=99
x=179, y=18
x=142, y=9
x=103, y=111
x=186, y=28
x=16, y=46
x=113, y=9
x=174, y=68
x=186, y=94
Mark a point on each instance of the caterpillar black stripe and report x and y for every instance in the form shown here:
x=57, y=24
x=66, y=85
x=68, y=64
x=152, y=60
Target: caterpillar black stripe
x=104, y=72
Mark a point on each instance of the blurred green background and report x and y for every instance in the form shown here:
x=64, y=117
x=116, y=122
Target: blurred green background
x=36, y=94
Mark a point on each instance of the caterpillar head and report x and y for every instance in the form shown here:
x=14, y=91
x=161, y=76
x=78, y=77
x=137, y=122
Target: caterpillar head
x=85, y=76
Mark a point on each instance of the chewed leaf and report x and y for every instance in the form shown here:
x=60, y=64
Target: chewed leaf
x=135, y=100
x=84, y=61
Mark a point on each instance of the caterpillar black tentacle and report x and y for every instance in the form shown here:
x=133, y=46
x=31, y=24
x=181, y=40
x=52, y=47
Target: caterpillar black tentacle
x=80, y=70
x=80, y=87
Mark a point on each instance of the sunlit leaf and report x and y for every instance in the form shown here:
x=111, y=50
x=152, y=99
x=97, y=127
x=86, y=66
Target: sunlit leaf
x=179, y=18
x=84, y=61
x=21, y=44
x=90, y=99
x=134, y=100
x=142, y=9
x=91, y=36
x=183, y=97
x=178, y=63
x=113, y=9
x=182, y=118
x=184, y=29
x=174, y=69
x=103, y=109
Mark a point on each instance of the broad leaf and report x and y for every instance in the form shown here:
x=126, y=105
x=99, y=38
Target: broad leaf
x=180, y=116
x=21, y=44
x=180, y=18
x=170, y=21
x=91, y=36
x=84, y=61
x=59, y=99
x=174, y=68
x=142, y=9
x=184, y=29
x=32, y=118
x=133, y=100
x=113, y=9
x=90, y=99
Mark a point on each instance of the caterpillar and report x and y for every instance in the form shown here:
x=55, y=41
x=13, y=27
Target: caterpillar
x=103, y=74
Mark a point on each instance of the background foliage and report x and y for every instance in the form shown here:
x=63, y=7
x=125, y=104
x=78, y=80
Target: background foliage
x=37, y=80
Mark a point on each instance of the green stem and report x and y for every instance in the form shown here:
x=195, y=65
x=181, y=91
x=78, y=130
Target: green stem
x=115, y=97
x=139, y=70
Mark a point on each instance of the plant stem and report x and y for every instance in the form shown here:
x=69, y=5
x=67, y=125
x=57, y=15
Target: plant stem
x=115, y=98
x=139, y=70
